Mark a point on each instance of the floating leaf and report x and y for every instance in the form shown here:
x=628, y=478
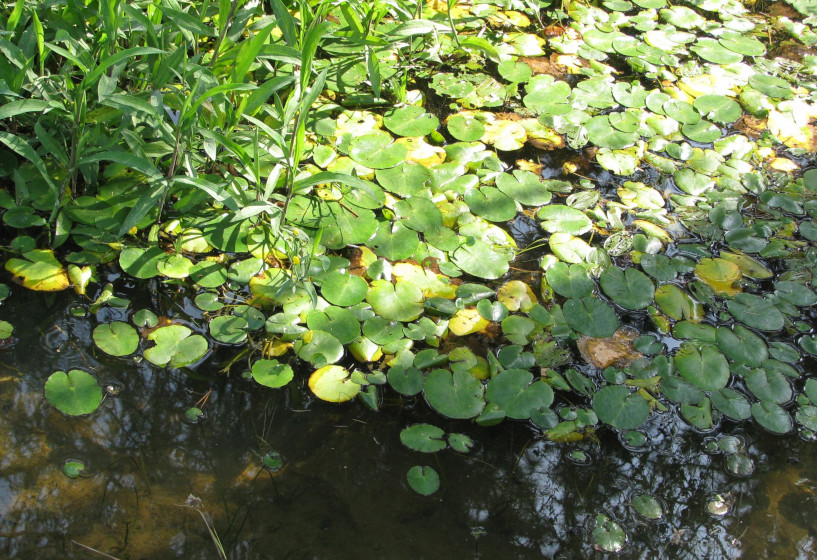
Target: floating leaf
x=772, y=417
x=756, y=312
x=39, y=270
x=410, y=121
x=458, y=395
x=74, y=393
x=608, y=535
x=769, y=386
x=731, y=404
x=73, y=468
x=423, y=437
x=557, y=218
x=491, y=204
x=116, y=339
x=706, y=367
x=228, y=329
x=332, y=384
x=524, y=187
x=481, y=260
x=720, y=275
x=742, y=345
x=377, y=150
x=617, y=406
x=176, y=346
x=514, y=392
x=423, y=480
x=629, y=288
x=343, y=289
x=591, y=316
x=141, y=263
x=570, y=281
x=465, y=127
x=319, y=348
x=400, y=302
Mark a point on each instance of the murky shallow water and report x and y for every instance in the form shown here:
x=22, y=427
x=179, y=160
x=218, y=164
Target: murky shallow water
x=342, y=492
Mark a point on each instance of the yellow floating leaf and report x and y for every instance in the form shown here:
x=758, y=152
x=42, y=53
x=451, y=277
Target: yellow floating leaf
x=467, y=321
x=749, y=267
x=332, y=384
x=504, y=135
x=720, y=274
x=516, y=296
x=420, y=151
x=39, y=270
x=431, y=284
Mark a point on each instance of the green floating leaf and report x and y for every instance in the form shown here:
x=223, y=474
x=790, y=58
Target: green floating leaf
x=343, y=289
x=423, y=437
x=141, y=263
x=395, y=241
x=731, y=404
x=319, y=348
x=718, y=108
x=570, y=281
x=756, y=312
x=608, y=535
x=771, y=86
x=73, y=468
x=6, y=329
x=208, y=274
x=706, y=367
x=458, y=395
x=423, y=480
x=410, y=121
x=272, y=373
x=647, y=506
x=229, y=329
x=699, y=415
x=74, y=393
x=176, y=346
x=465, y=127
x=479, y=259
x=772, y=417
x=629, y=288
x=590, y=316
x=617, y=406
x=769, y=386
x=460, y=442
x=116, y=339
x=491, y=204
x=400, y=302
x=512, y=390
x=742, y=345
x=524, y=187
x=377, y=150
x=557, y=218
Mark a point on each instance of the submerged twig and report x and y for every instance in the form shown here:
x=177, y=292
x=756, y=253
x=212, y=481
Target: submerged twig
x=86, y=547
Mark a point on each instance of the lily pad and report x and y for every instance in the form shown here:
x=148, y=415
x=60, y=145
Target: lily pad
x=629, y=288
x=769, y=386
x=772, y=417
x=731, y=404
x=742, y=345
x=706, y=367
x=423, y=480
x=74, y=393
x=756, y=312
x=514, y=392
x=228, y=329
x=524, y=187
x=272, y=373
x=319, y=348
x=557, y=218
x=332, y=383
x=176, y=346
x=481, y=260
x=458, y=395
x=377, y=150
x=466, y=128
x=410, y=121
x=590, y=316
x=718, y=108
x=116, y=339
x=343, y=289
x=400, y=302
x=141, y=263
x=39, y=270
x=423, y=437
x=570, y=281
x=617, y=406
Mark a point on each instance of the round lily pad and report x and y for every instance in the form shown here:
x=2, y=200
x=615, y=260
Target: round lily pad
x=394, y=241
x=410, y=121
x=343, y=289
x=603, y=134
x=742, y=345
x=647, y=506
x=395, y=302
x=514, y=392
x=479, y=259
x=176, y=346
x=608, y=535
x=458, y=395
x=74, y=393
x=704, y=132
x=377, y=150
x=557, y=218
x=706, y=367
x=465, y=127
x=423, y=437
x=460, y=442
x=272, y=373
x=629, y=288
x=756, y=312
x=319, y=348
x=208, y=274
x=524, y=187
x=337, y=321
x=116, y=339
x=490, y=203
x=771, y=86
x=731, y=404
x=590, y=316
x=141, y=263
x=570, y=281
x=73, y=468
x=331, y=383
x=769, y=386
x=772, y=417
x=718, y=108
x=229, y=329
x=617, y=406
x=423, y=480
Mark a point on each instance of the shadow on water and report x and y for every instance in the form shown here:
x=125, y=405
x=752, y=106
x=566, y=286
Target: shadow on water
x=342, y=491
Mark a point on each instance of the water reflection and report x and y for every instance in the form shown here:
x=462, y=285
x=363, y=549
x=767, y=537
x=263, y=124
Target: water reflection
x=342, y=492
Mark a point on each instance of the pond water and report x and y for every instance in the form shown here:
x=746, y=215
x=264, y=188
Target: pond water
x=342, y=490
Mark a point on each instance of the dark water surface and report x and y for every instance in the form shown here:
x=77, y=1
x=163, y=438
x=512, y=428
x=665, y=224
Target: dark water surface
x=342, y=491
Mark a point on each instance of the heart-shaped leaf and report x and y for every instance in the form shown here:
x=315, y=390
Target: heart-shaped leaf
x=74, y=393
